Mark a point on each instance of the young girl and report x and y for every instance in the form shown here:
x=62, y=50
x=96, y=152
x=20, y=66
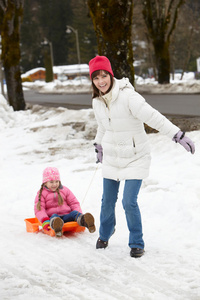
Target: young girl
x=55, y=205
x=122, y=146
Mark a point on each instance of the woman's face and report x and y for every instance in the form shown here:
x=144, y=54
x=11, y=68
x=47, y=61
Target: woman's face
x=102, y=82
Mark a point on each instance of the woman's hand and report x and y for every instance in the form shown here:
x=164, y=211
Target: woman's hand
x=184, y=141
x=99, y=151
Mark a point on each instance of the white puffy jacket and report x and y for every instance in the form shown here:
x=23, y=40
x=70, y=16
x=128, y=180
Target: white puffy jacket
x=126, y=152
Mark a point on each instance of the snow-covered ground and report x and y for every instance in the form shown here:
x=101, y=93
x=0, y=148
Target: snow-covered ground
x=187, y=84
x=35, y=266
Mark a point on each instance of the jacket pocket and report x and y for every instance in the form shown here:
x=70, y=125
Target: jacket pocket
x=126, y=149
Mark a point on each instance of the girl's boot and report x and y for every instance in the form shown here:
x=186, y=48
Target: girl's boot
x=56, y=224
x=87, y=220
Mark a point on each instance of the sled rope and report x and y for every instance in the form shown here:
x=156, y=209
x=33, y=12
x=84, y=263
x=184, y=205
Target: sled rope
x=90, y=184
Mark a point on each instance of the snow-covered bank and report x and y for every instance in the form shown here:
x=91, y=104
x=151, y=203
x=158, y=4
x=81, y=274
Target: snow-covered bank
x=186, y=86
x=191, y=87
x=36, y=266
x=59, y=87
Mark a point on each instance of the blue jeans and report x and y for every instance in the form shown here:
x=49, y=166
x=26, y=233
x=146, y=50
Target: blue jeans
x=130, y=205
x=72, y=216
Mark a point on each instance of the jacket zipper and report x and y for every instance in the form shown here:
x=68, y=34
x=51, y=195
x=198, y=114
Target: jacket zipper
x=109, y=119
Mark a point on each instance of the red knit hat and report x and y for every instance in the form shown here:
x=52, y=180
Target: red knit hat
x=100, y=63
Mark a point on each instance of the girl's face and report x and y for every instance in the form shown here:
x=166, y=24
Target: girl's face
x=52, y=185
x=102, y=82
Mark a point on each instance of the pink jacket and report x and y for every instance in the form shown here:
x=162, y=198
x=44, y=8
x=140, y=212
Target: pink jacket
x=49, y=203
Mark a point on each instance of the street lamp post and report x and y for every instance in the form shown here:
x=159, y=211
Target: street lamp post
x=47, y=42
x=69, y=30
x=1, y=72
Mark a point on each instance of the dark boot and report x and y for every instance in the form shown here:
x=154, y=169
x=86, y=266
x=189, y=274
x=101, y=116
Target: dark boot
x=87, y=220
x=101, y=244
x=57, y=224
x=136, y=252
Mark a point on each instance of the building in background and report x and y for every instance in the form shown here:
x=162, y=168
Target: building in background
x=60, y=72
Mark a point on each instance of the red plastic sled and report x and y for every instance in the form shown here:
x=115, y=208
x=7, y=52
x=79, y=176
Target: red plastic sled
x=33, y=224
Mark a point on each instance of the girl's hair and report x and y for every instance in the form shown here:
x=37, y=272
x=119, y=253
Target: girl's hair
x=60, y=199
x=96, y=92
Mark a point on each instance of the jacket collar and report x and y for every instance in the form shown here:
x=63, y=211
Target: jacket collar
x=119, y=85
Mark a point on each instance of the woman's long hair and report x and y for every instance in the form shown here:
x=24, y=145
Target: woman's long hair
x=96, y=92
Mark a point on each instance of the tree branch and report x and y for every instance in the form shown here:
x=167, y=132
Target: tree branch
x=173, y=24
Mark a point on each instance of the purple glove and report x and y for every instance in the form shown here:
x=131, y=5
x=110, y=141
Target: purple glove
x=99, y=151
x=184, y=141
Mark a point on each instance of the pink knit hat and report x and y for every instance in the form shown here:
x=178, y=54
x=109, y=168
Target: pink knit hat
x=100, y=63
x=50, y=174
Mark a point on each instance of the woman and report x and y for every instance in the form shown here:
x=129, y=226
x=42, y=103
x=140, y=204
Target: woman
x=122, y=147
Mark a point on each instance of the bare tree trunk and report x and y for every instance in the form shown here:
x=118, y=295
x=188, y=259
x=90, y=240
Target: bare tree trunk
x=160, y=18
x=11, y=12
x=14, y=87
x=112, y=23
x=152, y=61
x=162, y=59
x=187, y=58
